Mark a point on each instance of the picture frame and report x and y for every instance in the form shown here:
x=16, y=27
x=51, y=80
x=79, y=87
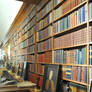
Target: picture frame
x=51, y=78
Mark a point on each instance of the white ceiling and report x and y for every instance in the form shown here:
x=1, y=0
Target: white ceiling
x=8, y=12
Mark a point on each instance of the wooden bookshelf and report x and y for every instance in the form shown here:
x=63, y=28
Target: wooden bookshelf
x=75, y=81
x=44, y=39
x=45, y=27
x=70, y=11
x=76, y=27
x=70, y=29
x=45, y=16
x=37, y=73
x=79, y=45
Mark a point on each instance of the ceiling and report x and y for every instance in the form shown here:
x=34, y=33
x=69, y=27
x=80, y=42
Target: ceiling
x=8, y=12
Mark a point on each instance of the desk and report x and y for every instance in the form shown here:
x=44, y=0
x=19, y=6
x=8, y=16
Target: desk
x=20, y=87
x=15, y=88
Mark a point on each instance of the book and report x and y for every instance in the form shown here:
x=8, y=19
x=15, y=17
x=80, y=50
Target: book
x=74, y=56
x=71, y=39
x=75, y=73
x=45, y=45
x=41, y=4
x=77, y=88
x=44, y=22
x=77, y=17
x=44, y=33
x=31, y=49
x=31, y=40
x=45, y=57
x=44, y=11
x=65, y=7
x=31, y=58
x=37, y=68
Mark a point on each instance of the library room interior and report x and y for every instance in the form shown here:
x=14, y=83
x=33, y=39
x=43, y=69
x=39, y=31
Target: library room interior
x=45, y=46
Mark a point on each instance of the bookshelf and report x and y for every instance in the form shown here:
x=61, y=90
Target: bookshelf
x=55, y=32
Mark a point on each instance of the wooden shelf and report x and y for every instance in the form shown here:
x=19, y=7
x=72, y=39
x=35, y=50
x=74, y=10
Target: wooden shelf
x=37, y=73
x=45, y=26
x=44, y=39
x=43, y=51
x=79, y=25
x=28, y=45
x=27, y=23
x=43, y=6
x=70, y=30
x=44, y=16
x=30, y=53
x=71, y=10
x=31, y=44
x=75, y=81
x=81, y=65
x=24, y=40
x=67, y=47
x=58, y=4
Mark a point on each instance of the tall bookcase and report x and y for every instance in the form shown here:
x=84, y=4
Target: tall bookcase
x=57, y=32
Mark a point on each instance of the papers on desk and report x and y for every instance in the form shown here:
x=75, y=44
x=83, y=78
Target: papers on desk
x=11, y=82
x=26, y=84
x=2, y=79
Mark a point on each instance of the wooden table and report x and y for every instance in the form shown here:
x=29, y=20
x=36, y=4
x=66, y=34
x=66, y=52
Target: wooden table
x=16, y=88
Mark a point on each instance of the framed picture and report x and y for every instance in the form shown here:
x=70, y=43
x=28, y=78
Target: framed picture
x=51, y=78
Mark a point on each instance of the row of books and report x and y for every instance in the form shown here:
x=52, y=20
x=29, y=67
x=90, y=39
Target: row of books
x=67, y=5
x=31, y=49
x=77, y=88
x=90, y=10
x=29, y=34
x=27, y=26
x=31, y=40
x=41, y=4
x=16, y=35
x=22, y=51
x=31, y=58
x=31, y=24
x=28, y=18
x=24, y=34
x=75, y=73
x=27, y=42
x=44, y=33
x=21, y=58
x=45, y=22
x=45, y=57
x=34, y=78
x=32, y=13
x=44, y=11
x=77, y=17
x=31, y=31
x=24, y=23
x=71, y=39
x=74, y=56
x=23, y=44
x=37, y=68
x=45, y=45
